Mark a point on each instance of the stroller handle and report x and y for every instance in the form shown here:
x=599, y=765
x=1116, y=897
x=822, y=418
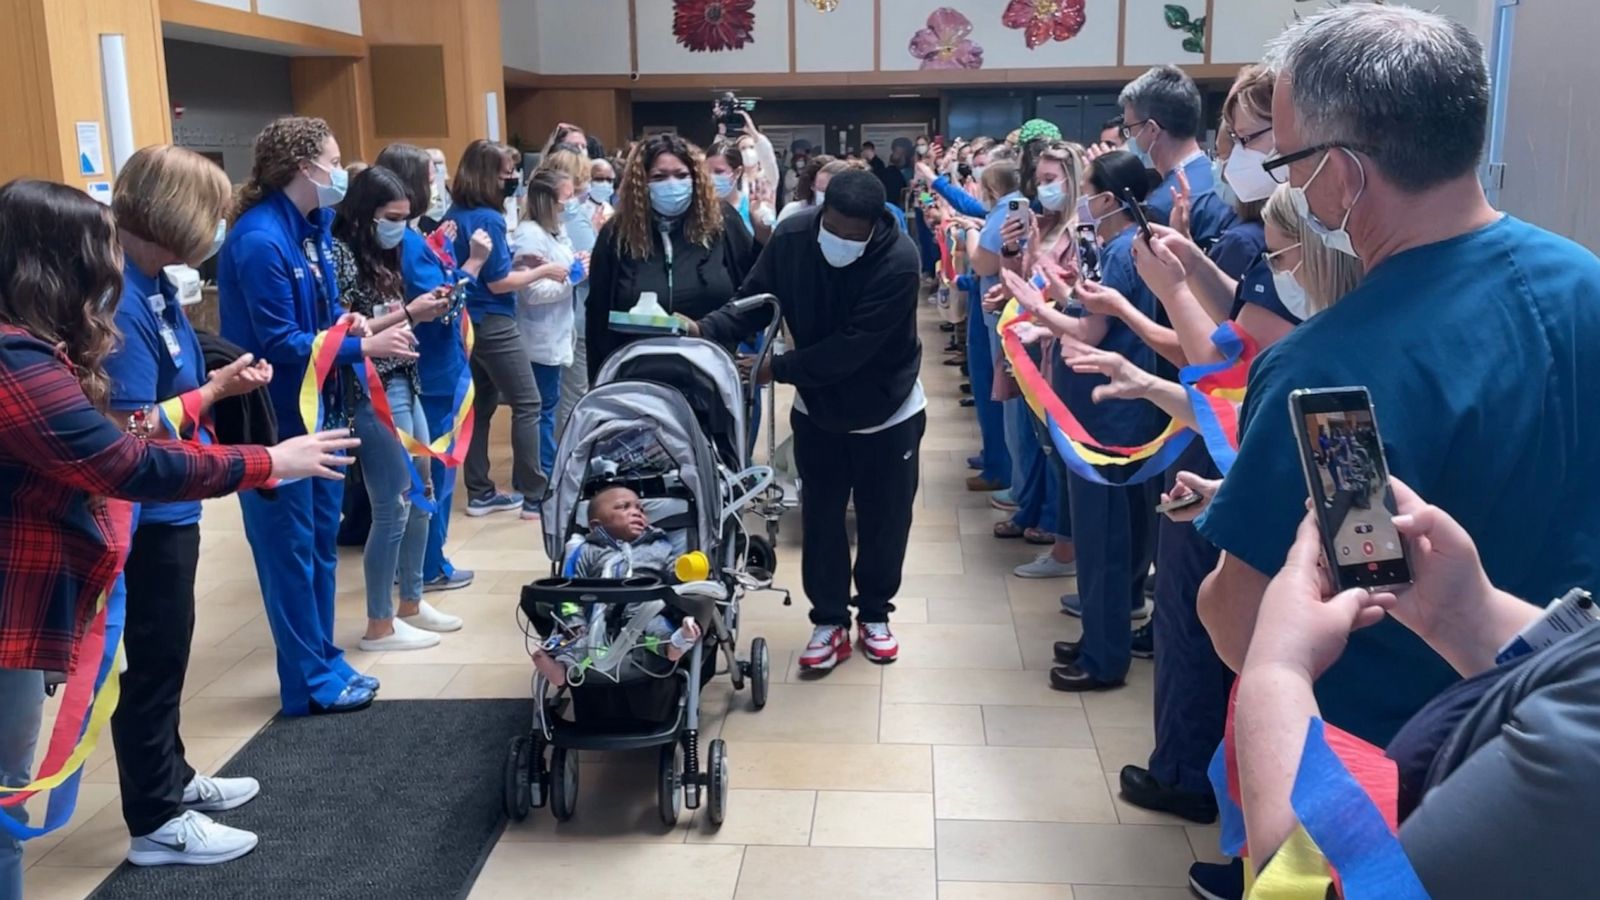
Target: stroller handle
x=769, y=334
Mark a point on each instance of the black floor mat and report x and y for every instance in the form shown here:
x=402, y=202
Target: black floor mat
x=399, y=801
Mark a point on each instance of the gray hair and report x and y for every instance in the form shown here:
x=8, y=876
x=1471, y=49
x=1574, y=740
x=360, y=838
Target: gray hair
x=1405, y=87
x=1168, y=95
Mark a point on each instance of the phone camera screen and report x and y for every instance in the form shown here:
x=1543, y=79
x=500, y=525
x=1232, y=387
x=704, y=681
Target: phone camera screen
x=1352, y=490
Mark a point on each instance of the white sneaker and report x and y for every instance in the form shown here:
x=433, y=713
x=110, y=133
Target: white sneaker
x=206, y=794
x=191, y=839
x=1045, y=566
x=404, y=637
x=430, y=619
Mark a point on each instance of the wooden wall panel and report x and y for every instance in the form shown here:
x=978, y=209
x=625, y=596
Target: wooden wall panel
x=29, y=148
x=332, y=88
x=211, y=17
x=607, y=114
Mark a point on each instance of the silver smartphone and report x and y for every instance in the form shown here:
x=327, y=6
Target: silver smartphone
x=1348, y=480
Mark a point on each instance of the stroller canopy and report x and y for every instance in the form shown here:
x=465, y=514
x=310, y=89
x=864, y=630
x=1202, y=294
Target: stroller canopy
x=610, y=419
x=703, y=373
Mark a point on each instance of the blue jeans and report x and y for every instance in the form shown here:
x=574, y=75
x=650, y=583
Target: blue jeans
x=1032, y=483
x=434, y=565
x=548, y=378
x=399, y=534
x=981, y=342
x=21, y=713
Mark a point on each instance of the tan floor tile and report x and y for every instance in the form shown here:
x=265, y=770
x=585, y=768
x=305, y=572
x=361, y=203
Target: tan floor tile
x=856, y=671
x=419, y=682
x=976, y=890
x=1123, y=746
x=235, y=717
x=256, y=675
x=789, y=873
x=93, y=797
x=973, y=686
x=1128, y=814
x=1206, y=841
x=934, y=558
x=1021, y=784
x=1108, y=892
x=930, y=723
x=835, y=767
x=916, y=583
x=1036, y=726
x=989, y=610
x=98, y=843
x=705, y=872
x=59, y=883
x=964, y=647
x=1037, y=852
x=616, y=804
x=1130, y=706
x=822, y=713
x=873, y=819
x=979, y=522
x=514, y=680
x=777, y=818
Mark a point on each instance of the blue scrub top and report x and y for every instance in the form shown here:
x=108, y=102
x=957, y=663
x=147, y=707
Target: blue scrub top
x=1209, y=214
x=1124, y=423
x=276, y=290
x=989, y=238
x=480, y=300
x=440, y=356
x=144, y=372
x=1479, y=352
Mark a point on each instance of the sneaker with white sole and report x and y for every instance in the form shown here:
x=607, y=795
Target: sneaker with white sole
x=404, y=637
x=878, y=642
x=531, y=510
x=191, y=839
x=497, y=501
x=1046, y=566
x=430, y=619
x=454, y=581
x=829, y=646
x=206, y=794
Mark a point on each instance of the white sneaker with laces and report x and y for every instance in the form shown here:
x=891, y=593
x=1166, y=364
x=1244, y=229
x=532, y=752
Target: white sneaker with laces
x=430, y=619
x=206, y=794
x=404, y=637
x=191, y=839
x=1045, y=566
x=878, y=642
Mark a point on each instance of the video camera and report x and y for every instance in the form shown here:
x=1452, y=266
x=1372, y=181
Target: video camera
x=727, y=112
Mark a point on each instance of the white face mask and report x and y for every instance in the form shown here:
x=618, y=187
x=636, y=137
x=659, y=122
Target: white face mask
x=216, y=240
x=1333, y=238
x=1291, y=294
x=820, y=196
x=748, y=154
x=838, y=251
x=1250, y=182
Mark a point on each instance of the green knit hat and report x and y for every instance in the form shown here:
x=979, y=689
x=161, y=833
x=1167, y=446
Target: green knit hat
x=1038, y=128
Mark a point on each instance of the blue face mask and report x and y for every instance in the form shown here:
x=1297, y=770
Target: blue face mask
x=723, y=183
x=601, y=191
x=1134, y=148
x=1053, y=196
x=390, y=233
x=671, y=198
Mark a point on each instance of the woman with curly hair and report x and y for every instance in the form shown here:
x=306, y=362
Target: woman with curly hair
x=68, y=444
x=278, y=291
x=671, y=236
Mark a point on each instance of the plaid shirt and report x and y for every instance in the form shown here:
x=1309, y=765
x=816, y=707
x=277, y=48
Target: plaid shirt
x=59, y=459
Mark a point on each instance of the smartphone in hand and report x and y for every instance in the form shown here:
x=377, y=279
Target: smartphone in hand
x=1137, y=211
x=1348, y=480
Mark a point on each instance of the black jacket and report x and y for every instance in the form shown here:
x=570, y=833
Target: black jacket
x=856, y=353
x=703, y=279
x=245, y=419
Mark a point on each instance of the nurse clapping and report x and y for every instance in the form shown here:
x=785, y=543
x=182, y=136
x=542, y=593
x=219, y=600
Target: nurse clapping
x=277, y=294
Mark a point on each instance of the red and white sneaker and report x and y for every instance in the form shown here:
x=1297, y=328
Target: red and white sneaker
x=829, y=646
x=878, y=642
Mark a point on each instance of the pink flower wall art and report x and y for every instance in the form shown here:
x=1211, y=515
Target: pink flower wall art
x=946, y=42
x=710, y=26
x=1042, y=21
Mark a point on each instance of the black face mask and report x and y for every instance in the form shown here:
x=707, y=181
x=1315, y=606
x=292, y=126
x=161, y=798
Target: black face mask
x=510, y=186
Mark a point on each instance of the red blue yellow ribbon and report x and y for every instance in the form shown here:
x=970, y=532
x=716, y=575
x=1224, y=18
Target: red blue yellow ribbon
x=1079, y=450
x=90, y=698
x=450, y=448
x=1216, y=390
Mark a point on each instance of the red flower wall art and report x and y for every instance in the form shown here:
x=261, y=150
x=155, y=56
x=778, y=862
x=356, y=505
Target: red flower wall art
x=1042, y=21
x=946, y=42
x=708, y=26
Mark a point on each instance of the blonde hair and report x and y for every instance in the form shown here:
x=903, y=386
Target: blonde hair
x=1001, y=178
x=568, y=162
x=280, y=149
x=1327, y=275
x=173, y=198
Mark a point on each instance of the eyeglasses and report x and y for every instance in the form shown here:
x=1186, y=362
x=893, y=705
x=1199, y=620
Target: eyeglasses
x=1278, y=166
x=1243, y=140
x=1270, y=257
x=1127, y=129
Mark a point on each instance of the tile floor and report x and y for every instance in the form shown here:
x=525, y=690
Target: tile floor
x=955, y=773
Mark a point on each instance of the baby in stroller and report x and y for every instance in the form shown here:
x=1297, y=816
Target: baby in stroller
x=621, y=544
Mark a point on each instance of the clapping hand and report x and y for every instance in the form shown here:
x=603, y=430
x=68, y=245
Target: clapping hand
x=1181, y=206
x=994, y=299
x=1102, y=300
x=430, y=306
x=239, y=377
x=358, y=325
x=1126, y=380
x=482, y=245
x=391, y=343
x=1028, y=297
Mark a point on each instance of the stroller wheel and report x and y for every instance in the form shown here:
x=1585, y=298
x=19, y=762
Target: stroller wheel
x=669, y=783
x=760, y=555
x=563, y=783
x=760, y=672
x=718, y=782
x=519, y=778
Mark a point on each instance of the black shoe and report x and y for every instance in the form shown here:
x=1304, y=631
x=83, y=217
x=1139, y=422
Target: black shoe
x=947, y=327
x=955, y=361
x=967, y=402
x=1142, y=789
x=1217, y=881
x=1144, y=641
x=1072, y=678
x=964, y=372
x=952, y=346
x=965, y=387
x=1067, y=652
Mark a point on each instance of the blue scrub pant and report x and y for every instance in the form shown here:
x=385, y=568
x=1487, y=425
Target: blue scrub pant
x=1192, y=683
x=991, y=416
x=1112, y=531
x=292, y=538
x=548, y=378
x=434, y=566
x=1031, y=479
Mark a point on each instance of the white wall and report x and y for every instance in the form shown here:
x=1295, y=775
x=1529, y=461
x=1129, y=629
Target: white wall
x=228, y=96
x=1243, y=27
x=1003, y=48
x=583, y=37
x=839, y=41
x=241, y=5
x=519, y=34
x=337, y=15
x=661, y=54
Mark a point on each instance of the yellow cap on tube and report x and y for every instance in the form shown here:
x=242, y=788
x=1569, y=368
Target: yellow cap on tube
x=692, y=566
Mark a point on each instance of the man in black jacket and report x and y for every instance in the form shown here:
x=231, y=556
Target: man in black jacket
x=846, y=277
